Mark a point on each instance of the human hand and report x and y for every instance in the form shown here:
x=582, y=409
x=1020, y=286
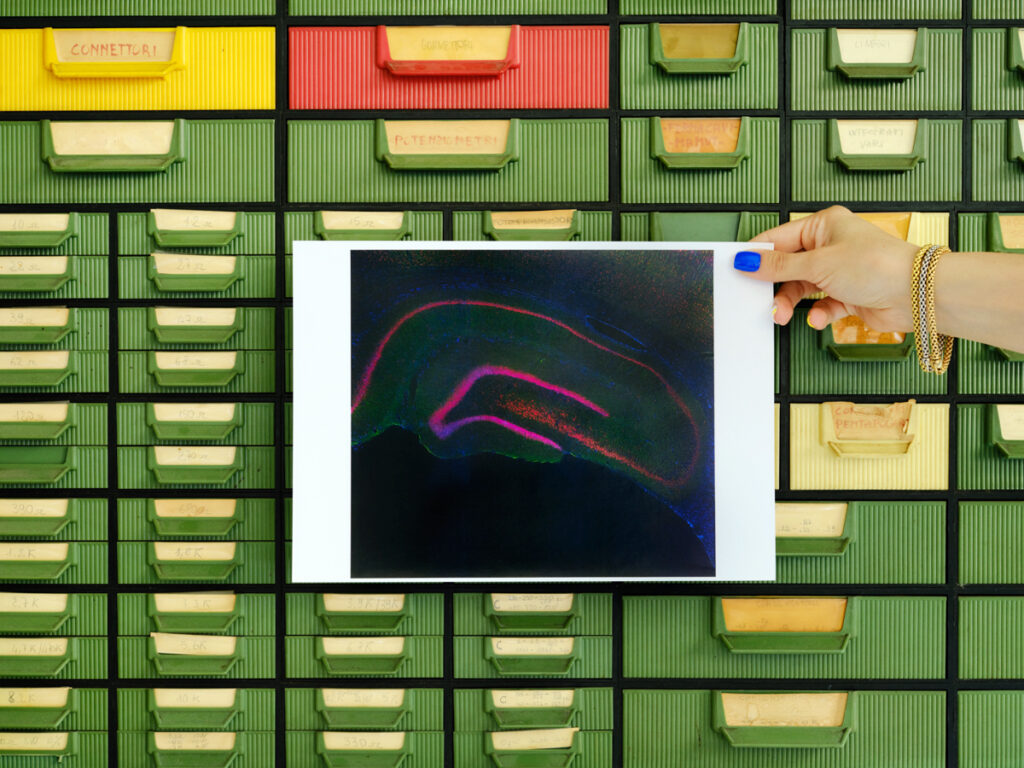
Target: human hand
x=863, y=270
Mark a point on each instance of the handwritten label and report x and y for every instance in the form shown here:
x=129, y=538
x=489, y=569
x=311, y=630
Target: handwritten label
x=784, y=614
x=34, y=551
x=195, y=507
x=194, y=455
x=1011, y=421
x=532, y=646
x=195, y=361
x=33, y=265
x=215, y=412
x=1011, y=226
x=560, y=219
x=700, y=134
x=33, y=602
x=363, y=740
x=524, y=602
x=877, y=137
x=877, y=46
x=852, y=330
x=20, y=317
x=33, y=507
x=537, y=738
x=364, y=603
x=344, y=220
x=194, y=741
x=34, y=222
x=871, y=422
x=199, y=698
x=804, y=520
x=112, y=138
x=532, y=699
x=362, y=646
x=213, y=551
x=36, y=360
x=108, y=45
x=195, y=602
x=447, y=137
x=179, y=220
x=188, y=316
x=448, y=43
x=699, y=41
x=34, y=697
x=32, y=742
x=33, y=646
x=341, y=698
x=34, y=412
x=192, y=264
x=193, y=645
x=805, y=710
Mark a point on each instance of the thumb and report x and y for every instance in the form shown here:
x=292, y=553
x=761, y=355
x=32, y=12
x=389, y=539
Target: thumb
x=779, y=267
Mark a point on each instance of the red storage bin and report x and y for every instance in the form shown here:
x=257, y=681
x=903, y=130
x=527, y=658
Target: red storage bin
x=510, y=67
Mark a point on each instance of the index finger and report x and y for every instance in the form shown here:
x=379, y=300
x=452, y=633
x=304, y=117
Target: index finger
x=798, y=235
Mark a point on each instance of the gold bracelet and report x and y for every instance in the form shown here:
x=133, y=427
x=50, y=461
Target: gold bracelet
x=934, y=349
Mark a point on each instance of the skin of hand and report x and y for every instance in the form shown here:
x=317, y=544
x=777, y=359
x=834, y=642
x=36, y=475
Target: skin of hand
x=864, y=270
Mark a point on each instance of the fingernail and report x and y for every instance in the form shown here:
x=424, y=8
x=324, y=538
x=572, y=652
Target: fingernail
x=775, y=308
x=810, y=323
x=747, y=261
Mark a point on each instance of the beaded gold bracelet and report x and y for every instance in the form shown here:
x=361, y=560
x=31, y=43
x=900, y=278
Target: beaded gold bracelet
x=934, y=349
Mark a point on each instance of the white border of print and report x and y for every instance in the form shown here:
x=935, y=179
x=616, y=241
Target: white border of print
x=744, y=415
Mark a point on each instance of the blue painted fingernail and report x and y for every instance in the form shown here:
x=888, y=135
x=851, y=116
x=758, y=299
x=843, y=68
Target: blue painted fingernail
x=747, y=261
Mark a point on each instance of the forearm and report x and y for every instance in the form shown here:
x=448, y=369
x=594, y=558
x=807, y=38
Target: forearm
x=980, y=296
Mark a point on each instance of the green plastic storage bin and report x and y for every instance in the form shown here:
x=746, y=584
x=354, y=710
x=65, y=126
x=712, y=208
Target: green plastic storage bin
x=37, y=708
x=34, y=656
x=531, y=708
x=193, y=421
x=362, y=708
x=512, y=749
x=36, y=325
x=193, y=272
x=194, y=517
x=207, y=464
x=788, y=642
x=522, y=611
x=33, y=612
x=37, y=368
x=187, y=709
x=343, y=749
x=193, y=612
x=194, y=325
x=182, y=654
x=833, y=734
x=199, y=561
x=36, y=517
x=36, y=560
x=193, y=749
x=350, y=612
x=362, y=655
x=195, y=369
x=531, y=655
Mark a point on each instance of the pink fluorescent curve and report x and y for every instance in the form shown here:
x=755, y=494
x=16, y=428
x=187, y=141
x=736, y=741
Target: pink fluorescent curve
x=521, y=431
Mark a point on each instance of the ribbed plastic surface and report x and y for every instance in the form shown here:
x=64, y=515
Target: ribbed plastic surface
x=815, y=179
x=224, y=68
x=972, y=233
x=257, y=427
x=646, y=180
x=646, y=86
x=423, y=225
x=88, y=470
x=92, y=239
x=993, y=85
x=877, y=9
x=993, y=175
x=935, y=87
x=441, y=7
x=637, y=226
x=594, y=225
x=89, y=373
x=91, y=281
x=594, y=659
x=257, y=280
x=425, y=616
x=257, y=470
x=996, y=9
x=255, y=614
x=560, y=68
x=255, y=658
x=257, y=525
x=257, y=566
x=89, y=566
x=253, y=746
x=904, y=728
x=89, y=427
x=991, y=538
x=698, y=7
x=594, y=616
x=257, y=332
x=89, y=710
x=989, y=735
x=226, y=161
x=425, y=659
x=257, y=377
x=982, y=370
x=137, y=7
x=595, y=750
x=426, y=708
x=816, y=371
x=89, y=523
x=257, y=236
x=256, y=710
x=427, y=750
x=89, y=331
x=925, y=466
x=895, y=542
x=980, y=465
x=334, y=161
x=594, y=709
x=893, y=637
x=991, y=637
